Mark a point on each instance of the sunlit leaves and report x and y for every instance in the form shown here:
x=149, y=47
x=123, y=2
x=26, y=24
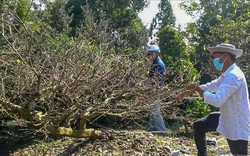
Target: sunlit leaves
x=190, y=8
x=176, y=55
x=218, y=17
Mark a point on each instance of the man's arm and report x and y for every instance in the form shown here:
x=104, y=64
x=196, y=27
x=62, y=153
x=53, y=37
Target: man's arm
x=190, y=89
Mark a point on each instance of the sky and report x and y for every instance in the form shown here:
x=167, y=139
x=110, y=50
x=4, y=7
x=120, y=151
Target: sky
x=148, y=13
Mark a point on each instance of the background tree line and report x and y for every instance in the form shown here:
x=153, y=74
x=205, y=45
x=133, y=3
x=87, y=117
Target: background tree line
x=69, y=65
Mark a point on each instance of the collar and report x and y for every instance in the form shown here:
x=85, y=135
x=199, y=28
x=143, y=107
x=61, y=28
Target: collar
x=229, y=69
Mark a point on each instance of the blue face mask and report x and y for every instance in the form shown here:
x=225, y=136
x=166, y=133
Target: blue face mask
x=219, y=65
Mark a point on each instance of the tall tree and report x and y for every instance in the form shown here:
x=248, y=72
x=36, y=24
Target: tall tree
x=222, y=21
x=164, y=17
x=56, y=15
x=175, y=53
x=121, y=13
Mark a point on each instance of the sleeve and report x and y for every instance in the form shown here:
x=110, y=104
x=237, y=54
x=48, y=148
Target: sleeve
x=225, y=90
x=212, y=86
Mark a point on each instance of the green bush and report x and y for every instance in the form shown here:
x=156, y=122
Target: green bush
x=197, y=108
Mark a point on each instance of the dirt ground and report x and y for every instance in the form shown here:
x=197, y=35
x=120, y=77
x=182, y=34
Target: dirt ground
x=118, y=143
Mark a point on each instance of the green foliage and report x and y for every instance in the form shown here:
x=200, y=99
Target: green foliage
x=73, y=8
x=120, y=13
x=56, y=16
x=135, y=34
x=224, y=21
x=190, y=8
x=172, y=44
x=176, y=56
x=23, y=9
x=20, y=12
x=197, y=108
x=190, y=34
x=165, y=15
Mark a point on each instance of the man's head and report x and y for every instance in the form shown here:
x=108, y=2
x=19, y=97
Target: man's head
x=225, y=55
x=153, y=52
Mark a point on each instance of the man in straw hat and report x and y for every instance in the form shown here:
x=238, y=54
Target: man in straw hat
x=229, y=92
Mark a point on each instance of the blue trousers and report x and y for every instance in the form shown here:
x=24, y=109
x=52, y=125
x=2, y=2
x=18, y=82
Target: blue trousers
x=156, y=120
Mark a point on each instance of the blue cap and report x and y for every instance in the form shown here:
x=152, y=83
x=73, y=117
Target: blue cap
x=153, y=48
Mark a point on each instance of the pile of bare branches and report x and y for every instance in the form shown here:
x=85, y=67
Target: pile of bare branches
x=55, y=82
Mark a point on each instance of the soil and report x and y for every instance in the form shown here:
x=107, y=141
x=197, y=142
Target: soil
x=124, y=143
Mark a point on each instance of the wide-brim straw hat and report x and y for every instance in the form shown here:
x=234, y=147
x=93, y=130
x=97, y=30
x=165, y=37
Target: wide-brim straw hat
x=226, y=48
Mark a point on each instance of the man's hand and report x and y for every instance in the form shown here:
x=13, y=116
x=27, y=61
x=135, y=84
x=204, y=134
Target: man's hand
x=188, y=90
x=183, y=94
x=191, y=87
